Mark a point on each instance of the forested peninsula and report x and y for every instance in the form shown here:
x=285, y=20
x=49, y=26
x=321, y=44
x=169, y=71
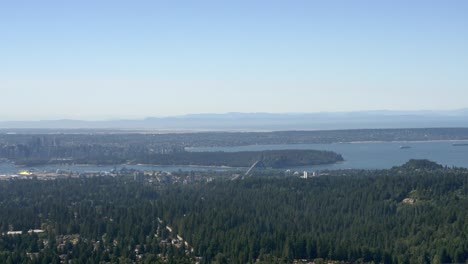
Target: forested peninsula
x=268, y=159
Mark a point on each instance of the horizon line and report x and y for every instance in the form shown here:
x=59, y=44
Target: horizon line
x=376, y=111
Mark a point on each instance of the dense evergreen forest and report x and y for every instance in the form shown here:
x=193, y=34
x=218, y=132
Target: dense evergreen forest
x=416, y=213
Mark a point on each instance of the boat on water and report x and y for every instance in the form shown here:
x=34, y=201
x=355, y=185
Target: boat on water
x=405, y=147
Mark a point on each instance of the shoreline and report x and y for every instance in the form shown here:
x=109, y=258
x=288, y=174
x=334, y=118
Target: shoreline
x=204, y=149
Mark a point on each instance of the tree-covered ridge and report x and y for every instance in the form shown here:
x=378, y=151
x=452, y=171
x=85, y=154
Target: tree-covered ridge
x=351, y=216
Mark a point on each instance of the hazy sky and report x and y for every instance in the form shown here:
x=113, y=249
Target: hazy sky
x=109, y=59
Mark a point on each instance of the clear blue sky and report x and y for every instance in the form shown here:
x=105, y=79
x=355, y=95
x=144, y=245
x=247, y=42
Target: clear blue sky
x=130, y=59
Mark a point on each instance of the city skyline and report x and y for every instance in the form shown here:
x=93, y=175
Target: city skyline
x=115, y=59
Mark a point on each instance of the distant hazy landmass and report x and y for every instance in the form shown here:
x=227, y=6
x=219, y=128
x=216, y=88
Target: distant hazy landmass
x=267, y=121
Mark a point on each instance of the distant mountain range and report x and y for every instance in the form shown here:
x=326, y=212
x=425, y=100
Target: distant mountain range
x=265, y=121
